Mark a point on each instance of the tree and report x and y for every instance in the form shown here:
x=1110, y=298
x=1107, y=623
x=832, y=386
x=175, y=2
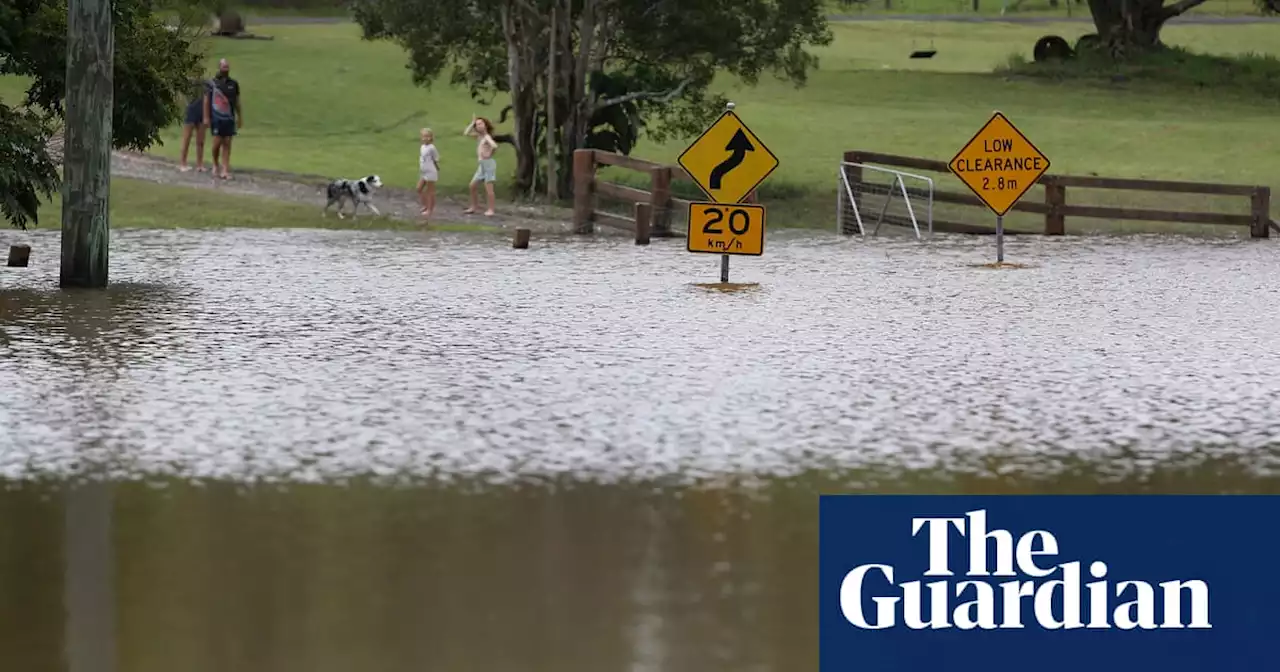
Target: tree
x=624, y=67
x=153, y=70
x=1129, y=26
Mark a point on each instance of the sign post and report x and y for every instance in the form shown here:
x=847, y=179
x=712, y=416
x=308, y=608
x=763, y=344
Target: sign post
x=999, y=239
x=999, y=165
x=727, y=162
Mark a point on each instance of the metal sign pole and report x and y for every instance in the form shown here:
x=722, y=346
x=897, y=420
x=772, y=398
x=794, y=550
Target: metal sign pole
x=1000, y=239
x=724, y=258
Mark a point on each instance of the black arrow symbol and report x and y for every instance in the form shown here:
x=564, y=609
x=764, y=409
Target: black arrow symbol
x=738, y=145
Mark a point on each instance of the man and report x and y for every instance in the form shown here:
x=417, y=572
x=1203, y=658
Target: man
x=223, y=116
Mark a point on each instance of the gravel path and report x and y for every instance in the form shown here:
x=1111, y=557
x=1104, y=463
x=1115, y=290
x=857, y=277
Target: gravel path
x=394, y=202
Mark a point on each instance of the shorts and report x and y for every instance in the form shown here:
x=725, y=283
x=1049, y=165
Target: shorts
x=429, y=175
x=487, y=171
x=223, y=128
x=195, y=113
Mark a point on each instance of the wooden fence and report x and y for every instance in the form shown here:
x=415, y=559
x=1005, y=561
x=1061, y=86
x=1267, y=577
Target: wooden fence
x=1054, y=205
x=652, y=208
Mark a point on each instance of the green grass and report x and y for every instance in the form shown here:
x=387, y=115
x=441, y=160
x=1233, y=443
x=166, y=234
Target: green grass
x=138, y=204
x=319, y=100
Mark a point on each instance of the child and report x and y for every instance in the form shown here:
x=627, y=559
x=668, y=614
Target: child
x=487, y=171
x=428, y=172
x=193, y=123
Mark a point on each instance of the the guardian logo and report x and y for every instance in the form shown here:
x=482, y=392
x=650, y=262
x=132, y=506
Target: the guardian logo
x=1052, y=595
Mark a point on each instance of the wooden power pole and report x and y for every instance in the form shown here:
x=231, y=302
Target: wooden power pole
x=86, y=165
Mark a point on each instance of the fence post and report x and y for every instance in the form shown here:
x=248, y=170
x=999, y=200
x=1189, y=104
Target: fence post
x=644, y=216
x=1055, y=196
x=660, y=201
x=855, y=172
x=584, y=190
x=1261, y=206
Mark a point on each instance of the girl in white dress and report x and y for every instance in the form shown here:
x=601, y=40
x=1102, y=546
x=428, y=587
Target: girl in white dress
x=428, y=172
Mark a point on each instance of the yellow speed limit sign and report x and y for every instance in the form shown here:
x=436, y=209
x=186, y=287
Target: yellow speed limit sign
x=726, y=228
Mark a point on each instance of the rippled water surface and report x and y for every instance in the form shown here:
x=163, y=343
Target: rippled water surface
x=316, y=354
x=545, y=413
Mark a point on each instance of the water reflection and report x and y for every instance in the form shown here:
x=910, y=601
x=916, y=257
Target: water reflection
x=319, y=578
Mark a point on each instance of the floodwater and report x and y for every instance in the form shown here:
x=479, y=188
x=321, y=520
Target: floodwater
x=377, y=450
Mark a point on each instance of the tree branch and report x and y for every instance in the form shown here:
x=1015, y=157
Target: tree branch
x=651, y=96
x=1180, y=7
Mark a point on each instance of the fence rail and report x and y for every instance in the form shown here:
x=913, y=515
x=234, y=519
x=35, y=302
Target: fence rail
x=652, y=208
x=1055, y=209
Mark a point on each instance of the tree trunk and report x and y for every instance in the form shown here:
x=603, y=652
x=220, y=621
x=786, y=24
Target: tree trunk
x=565, y=123
x=1128, y=26
x=524, y=106
x=86, y=171
x=522, y=80
x=552, y=47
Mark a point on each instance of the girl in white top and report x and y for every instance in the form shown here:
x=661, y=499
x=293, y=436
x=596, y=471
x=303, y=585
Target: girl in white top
x=428, y=172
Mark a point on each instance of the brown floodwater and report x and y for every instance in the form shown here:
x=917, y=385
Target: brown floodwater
x=374, y=450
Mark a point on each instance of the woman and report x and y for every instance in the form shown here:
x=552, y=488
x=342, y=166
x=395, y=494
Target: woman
x=193, y=121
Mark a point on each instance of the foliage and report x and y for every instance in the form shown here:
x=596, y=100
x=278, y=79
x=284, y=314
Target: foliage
x=624, y=67
x=153, y=69
x=27, y=174
x=1268, y=6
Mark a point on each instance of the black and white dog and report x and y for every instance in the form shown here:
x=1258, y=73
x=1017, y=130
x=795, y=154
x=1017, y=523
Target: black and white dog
x=357, y=191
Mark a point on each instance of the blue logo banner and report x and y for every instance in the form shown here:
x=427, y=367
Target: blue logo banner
x=1048, y=583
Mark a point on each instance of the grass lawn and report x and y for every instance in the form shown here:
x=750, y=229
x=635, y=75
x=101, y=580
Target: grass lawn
x=319, y=100
x=138, y=204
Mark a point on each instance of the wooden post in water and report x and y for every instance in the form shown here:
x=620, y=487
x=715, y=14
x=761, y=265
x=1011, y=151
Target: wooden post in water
x=644, y=220
x=1260, y=204
x=521, y=241
x=89, y=595
x=86, y=172
x=1055, y=196
x=660, y=200
x=19, y=255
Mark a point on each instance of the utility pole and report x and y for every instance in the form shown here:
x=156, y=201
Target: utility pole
x=86, y=166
